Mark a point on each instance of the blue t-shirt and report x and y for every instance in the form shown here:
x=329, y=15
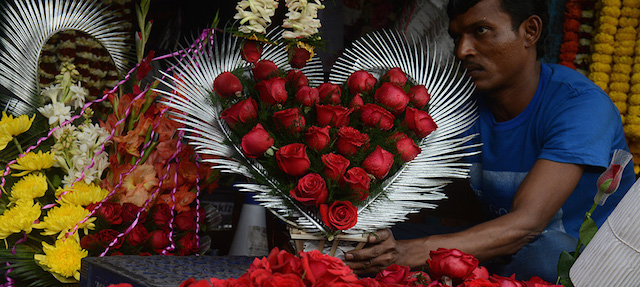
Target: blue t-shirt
x=569, y=120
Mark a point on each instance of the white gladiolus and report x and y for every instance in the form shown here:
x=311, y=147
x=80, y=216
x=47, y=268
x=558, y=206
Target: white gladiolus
x=258, y=17
x=302, y=18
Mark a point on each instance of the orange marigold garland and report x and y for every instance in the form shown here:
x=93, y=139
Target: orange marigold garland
x=570, y=29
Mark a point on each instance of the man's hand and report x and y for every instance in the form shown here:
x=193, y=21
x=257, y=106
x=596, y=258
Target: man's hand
x=381, y=251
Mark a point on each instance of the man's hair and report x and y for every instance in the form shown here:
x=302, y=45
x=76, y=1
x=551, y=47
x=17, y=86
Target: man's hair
x=519, y=10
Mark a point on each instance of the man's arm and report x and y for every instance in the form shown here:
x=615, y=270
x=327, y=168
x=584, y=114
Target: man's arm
x=539, y=197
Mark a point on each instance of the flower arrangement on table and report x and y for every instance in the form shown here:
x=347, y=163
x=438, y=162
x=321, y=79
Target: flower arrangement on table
x=97, y=184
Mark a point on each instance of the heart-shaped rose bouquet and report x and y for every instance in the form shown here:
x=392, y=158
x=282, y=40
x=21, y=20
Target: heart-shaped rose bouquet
x=352, y=155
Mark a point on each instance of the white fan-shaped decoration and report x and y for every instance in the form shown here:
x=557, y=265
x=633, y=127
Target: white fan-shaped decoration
x=417, y=184
x=28, y=24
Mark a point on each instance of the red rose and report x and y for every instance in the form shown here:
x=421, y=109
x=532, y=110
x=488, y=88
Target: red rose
x=392, y=98
x=311, y=190
x=406, y=147
x=394, y=274
x=278, y=280
x=378, y=162
x=242, y=112
x=293, y=159
x=340, y=215
x=376, y=116
x=161, y=214
x=506, y=281
x=298, y=57
x=193, y=283
x=536, y=281
x=272, y=91
x=334, y=166
x=452, y=263
x=186, y=221
x=296, y=79
x=330, y=93
x=419, y=96
x=256, y=142
x=307, y=96
x=478, y=282
x=361, y=82
x=290, y=120
x=89, y=241
x=251, y=51
x=351, y=140
x=396, y=77
x=282, y=261
x=356, y=102
x=324, y=268
x=138, y=235
x=317, y=138
x=159, y=240
x=188, y=244
x=335, y=116
x=130, y=213
x=359, y=182
x=264, y=69
x=369, y=282
x=106, y=237
x=420, y=122
x=479, y=272
x=227, y=85
x=111, y=212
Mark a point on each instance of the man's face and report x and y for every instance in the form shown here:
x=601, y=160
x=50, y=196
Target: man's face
x=491, y=51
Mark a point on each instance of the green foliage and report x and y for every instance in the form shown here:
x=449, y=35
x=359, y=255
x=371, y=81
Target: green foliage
x=564, y=265
x=588, y=229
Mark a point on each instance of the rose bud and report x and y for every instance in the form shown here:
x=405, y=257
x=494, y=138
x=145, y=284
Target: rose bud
x=307, y=96
x=159, y=239
x=419, y=96
x=419, y=122
x=227, y=85
x=251, y=51
x=130, y=212
x=293, y=159
x=256, y=142
x=406, y=147
x=311, y=190
x=396, y=77
x=317, y=138
x=138, y=235
x=272, y=91
x=296, y=79
x=187, y=221
x=376, y=116
x=394, y=274
x=351, y=140
x=361, y=82
x=161, y=214
x=290, y=120
x=330, y=93
x=359, y=182
x=452, y=263
x=392, y=97
x=264, y=69
x=356, y=102
x=335, y=116
x=242, y=112
x=334, y=166
x=298, y=57
x=378, y=163
x=340, y=215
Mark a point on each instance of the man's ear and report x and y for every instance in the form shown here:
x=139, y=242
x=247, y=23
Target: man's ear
x=533, y=29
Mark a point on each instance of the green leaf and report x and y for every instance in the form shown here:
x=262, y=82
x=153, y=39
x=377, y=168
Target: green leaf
x=587, y=230
x=566, y=282
x=564, y=265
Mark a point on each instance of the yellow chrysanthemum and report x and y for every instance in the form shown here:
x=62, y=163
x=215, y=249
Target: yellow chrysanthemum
x=29, y=187
x=5, y=138
x=32, y=162
x=81, y=193
x=64, y=218
x=16, y=126
x=64, y=258
x=19, y=218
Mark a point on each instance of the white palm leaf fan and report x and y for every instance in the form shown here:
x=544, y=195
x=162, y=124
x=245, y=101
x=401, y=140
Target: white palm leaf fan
x=419, y=182
x=209, y=135
x=28, y=24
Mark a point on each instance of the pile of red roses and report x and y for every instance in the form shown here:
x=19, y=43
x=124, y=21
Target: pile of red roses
x=329, y=146
x=447, y=267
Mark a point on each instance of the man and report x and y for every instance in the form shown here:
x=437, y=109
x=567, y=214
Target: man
x=547, y=134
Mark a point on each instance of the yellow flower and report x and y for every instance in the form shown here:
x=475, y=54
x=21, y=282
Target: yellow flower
x=626, y=22
x=617, y=96
x=608, y=28
x=64, y=218
x=622, y=107
x=600, y=67
x=602, y=58
x=603, y=38
x=609, y=20
x=19, y=218
x=64, y=258
x=29, y=187
x=614, y=12
x=602, y=85
x=631, y=3
x=635, y=89
x=633, y=120
x=33, y=161
x=632, y=130
x=5, y=138
x=618, y=77
x=619, y=87
x=634, y=99
x=626, y=33
x=622, y=68
x=81, y=193
x=635, y=78
x=16, y=126
x=630, y=12
x=604, y=48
